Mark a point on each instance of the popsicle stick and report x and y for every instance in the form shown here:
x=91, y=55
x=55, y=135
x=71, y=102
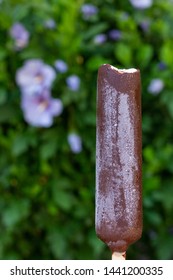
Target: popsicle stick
x=119, y=256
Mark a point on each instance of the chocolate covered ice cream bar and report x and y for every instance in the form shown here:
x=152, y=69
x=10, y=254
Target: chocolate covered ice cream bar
x=118, y=158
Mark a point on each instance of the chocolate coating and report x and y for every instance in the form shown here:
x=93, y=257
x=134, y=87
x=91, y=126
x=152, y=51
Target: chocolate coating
x=118, y=158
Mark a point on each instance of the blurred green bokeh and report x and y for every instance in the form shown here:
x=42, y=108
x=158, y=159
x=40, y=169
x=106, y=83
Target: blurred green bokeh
x=47, y=192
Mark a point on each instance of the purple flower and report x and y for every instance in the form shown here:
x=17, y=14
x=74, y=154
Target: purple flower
x=61, y=66
x=20, y=35
x=39, y=110
x=145, y=25
x=88, y=10
x=50, y=23
x=162, y=66
x=73, y=82
x=141, y=4
x=34, y=76
x=155, y=86
x=75, y=143
x=115, y=34
x=100, y=39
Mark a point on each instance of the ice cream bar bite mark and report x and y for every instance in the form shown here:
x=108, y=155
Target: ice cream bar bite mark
x=118, y=158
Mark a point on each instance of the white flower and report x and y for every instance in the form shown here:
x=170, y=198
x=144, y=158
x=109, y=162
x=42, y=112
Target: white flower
x=155, y=86
x=100, y=39
x=73, y=82
x=75, y=143
x=40, y=110
x=34, y=76
x=61, y=66
x=141, y=4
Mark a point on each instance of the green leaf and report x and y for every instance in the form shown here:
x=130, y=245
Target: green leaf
x=151, y=183
x=154, y=218
x=8, y=113
x=3, y=71
x=48, y=150
x=95, y=61
x=20, y=145
x=62, y=198
x=57, y=243
x=164, y=248
x=94, y=30
x=166, y=53
x=3, y=53
x=123, y=54
x=16, y=211
x=3, y=96
x=144, y=55
x=166, y=198
x=167, y=99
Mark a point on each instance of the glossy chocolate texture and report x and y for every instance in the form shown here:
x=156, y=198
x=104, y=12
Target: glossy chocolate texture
x=118, y=158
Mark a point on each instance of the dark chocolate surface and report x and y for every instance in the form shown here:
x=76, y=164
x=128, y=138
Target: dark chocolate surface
x=118, y=158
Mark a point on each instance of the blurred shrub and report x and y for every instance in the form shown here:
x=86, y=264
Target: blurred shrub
x=47, y=162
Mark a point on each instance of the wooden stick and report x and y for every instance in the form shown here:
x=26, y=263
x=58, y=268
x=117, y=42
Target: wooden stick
x=119, y=256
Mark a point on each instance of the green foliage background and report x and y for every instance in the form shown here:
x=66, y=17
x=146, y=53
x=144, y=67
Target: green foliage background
x=47, y=192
